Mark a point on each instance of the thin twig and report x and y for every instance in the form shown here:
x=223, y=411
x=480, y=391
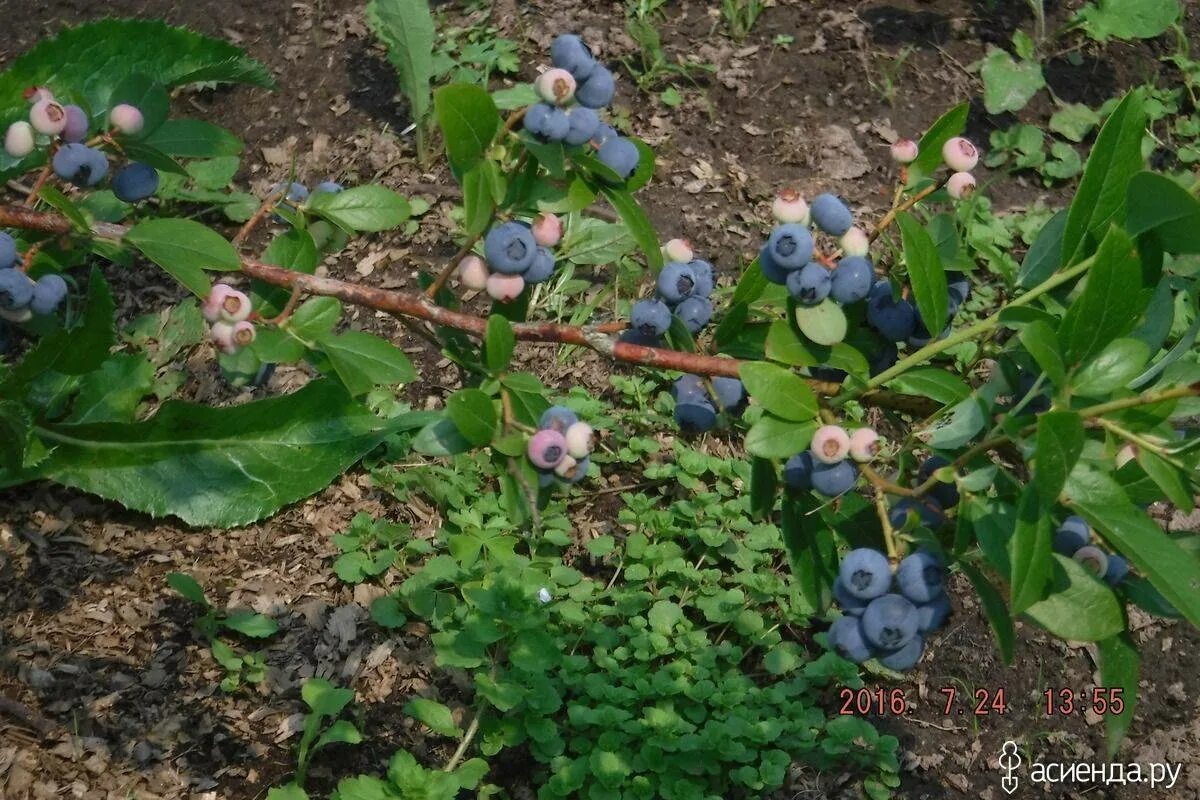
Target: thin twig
x=472, y=729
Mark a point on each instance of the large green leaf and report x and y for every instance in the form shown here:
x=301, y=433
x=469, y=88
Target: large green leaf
x=994, y=608
x=936, y=384
x=436, y=716
x=925, y=273
x=1128, y=19
x=1111, y=368
x=362, y=208
x=1079, y=607
x=1174, y=571
x=639, y=224
x=469, y=121
x=1045, y=255
x=1059, y=445
x=1160, y=205
x=406, y=29
x=779, y=390
x=1009, y=84
x=929, y=157
x=474, y=414
x=1110, y=303
x=363, y=360
x=772, y=437
x=1030, y=556
x=1115, y=159
x=194, y=138
x=218, y=466
x=499, y=343
x=1120, y=664
x=184, y=248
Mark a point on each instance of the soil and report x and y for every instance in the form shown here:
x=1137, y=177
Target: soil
x=107, y=691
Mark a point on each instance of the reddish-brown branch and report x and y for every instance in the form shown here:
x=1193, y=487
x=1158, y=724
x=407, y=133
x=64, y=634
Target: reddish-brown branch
x=268, y=205
x=39, y=182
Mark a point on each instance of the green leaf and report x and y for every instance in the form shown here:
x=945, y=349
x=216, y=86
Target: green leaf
x=751, y=285
x=185, y=249
x=388, y=612
x=993, y=607
x=224, y=655
x=1045, y=255
x=1059, y=444
x=112, y=392
x=1008, y=85
x=499, y=344
x=324, y=698
x=1111, y=301
x=433, y=715
x=929, y=156
x=1074, y=121
x=610, y=768
x=188, y=587
x=314, y=318
x=664, y=615
x=1120, y=665
x=772, y=437
x=140, y=151
x=1115, y=159
x=824, y=323
x=1040, y=340
x=1157, y=204
x=363, y=361
x=440, y=438
x=1168, y=478
x=1030, y=545
x=148, y=96
x=763, y=482
x=16, y=427
x=250, y=624
x=639, y=224
x=1115, y=366
x=340, y=732
x=194, y=138
x=218, y=466
x=469, y=121
x=62, y=203
x=503, y=695
x=361, y=208
x=936, y=384
x=474, y=414
x=478, y=201
x=288, y=792
x=1128, y=19
x=925, y=273
x=1079, y=608
x=406, y=29
x=779, y=390
x=1172, y=570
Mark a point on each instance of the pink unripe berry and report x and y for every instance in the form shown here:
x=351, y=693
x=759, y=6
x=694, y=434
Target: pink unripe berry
x=579, y=440
x=222, y=336
x=830, y=444
x=679, y=250
x=864, y=444
x=555, y=86
x=76, y=129
x=961, y=185
x=855, y=242
x=234, y=306
x=505, y=288
x=1125, y=455
x=473, y=273
x=126, y=118
x=960, y=155
x=48, y=117
x=789, y=206
x=243, y=334
x=904, y=151
x=211, y=308
x=547, y=230
x=547, y=449
x=18, y=140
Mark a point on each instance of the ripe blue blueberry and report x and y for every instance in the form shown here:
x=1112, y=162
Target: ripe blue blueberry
x=135, y=182
x=583, y=124
x=557, y=418
x=797, y=472
x=809, y=285
x=894, y=319
x=884, y=358
x=597, y=89
x=846, y=639
x=890, y=622
x=958, y=286
x=676, y=282
x=865, y=573
x=695, y=416
x=16, y=290
x=932, y=616
x=921, y=336
x=650, y=317
x=8, y=251
x=631, y=336
x=928, y=510
x=921, y=577
x=704, y=277
x=694, y=313
x=620, y=155
x=731, y=393
x=770, y=270
x=603, y=133
x=542, y=267
x=790, y=245
x=852, y=279
x=904, y=658
x=831, y=215
x=848, y=602
x=328, y=187
x=945, y=493
x=832, y=480
x=688, y=387
x=569, y=52
x=1118, y=568
x=548, y=122
x=80, y=164
x=49, y=291
x=509, y=248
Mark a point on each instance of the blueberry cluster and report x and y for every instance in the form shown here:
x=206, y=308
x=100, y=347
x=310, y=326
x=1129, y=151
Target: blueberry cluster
x=827, y=467
x=683, y=288
x=20, y=296
x=66, y=128
x=516, y=254
x=228, y=313
x=562, y=447
x=886, y=616
x=790, y=256
x=1073, y=539
x=930, y=509
x=571, y=93
x=897, y=319
x=696, y=409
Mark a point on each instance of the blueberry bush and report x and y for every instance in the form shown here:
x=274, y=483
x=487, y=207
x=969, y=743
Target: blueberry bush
x=1016, y=433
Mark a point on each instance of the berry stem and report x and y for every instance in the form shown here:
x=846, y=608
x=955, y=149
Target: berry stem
x=30, y=253
x=268, y=205
x=43, y=176
x=461, y=751
x=286, y=313
x=514, y=119
x=1141, y=442
x=885, y=522
x=890, y=217
x=452, y=264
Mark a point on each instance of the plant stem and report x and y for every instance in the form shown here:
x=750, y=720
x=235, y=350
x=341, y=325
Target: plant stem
x=452, y=264
x=890, y=217
x=268, y=205
x=472, y=729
